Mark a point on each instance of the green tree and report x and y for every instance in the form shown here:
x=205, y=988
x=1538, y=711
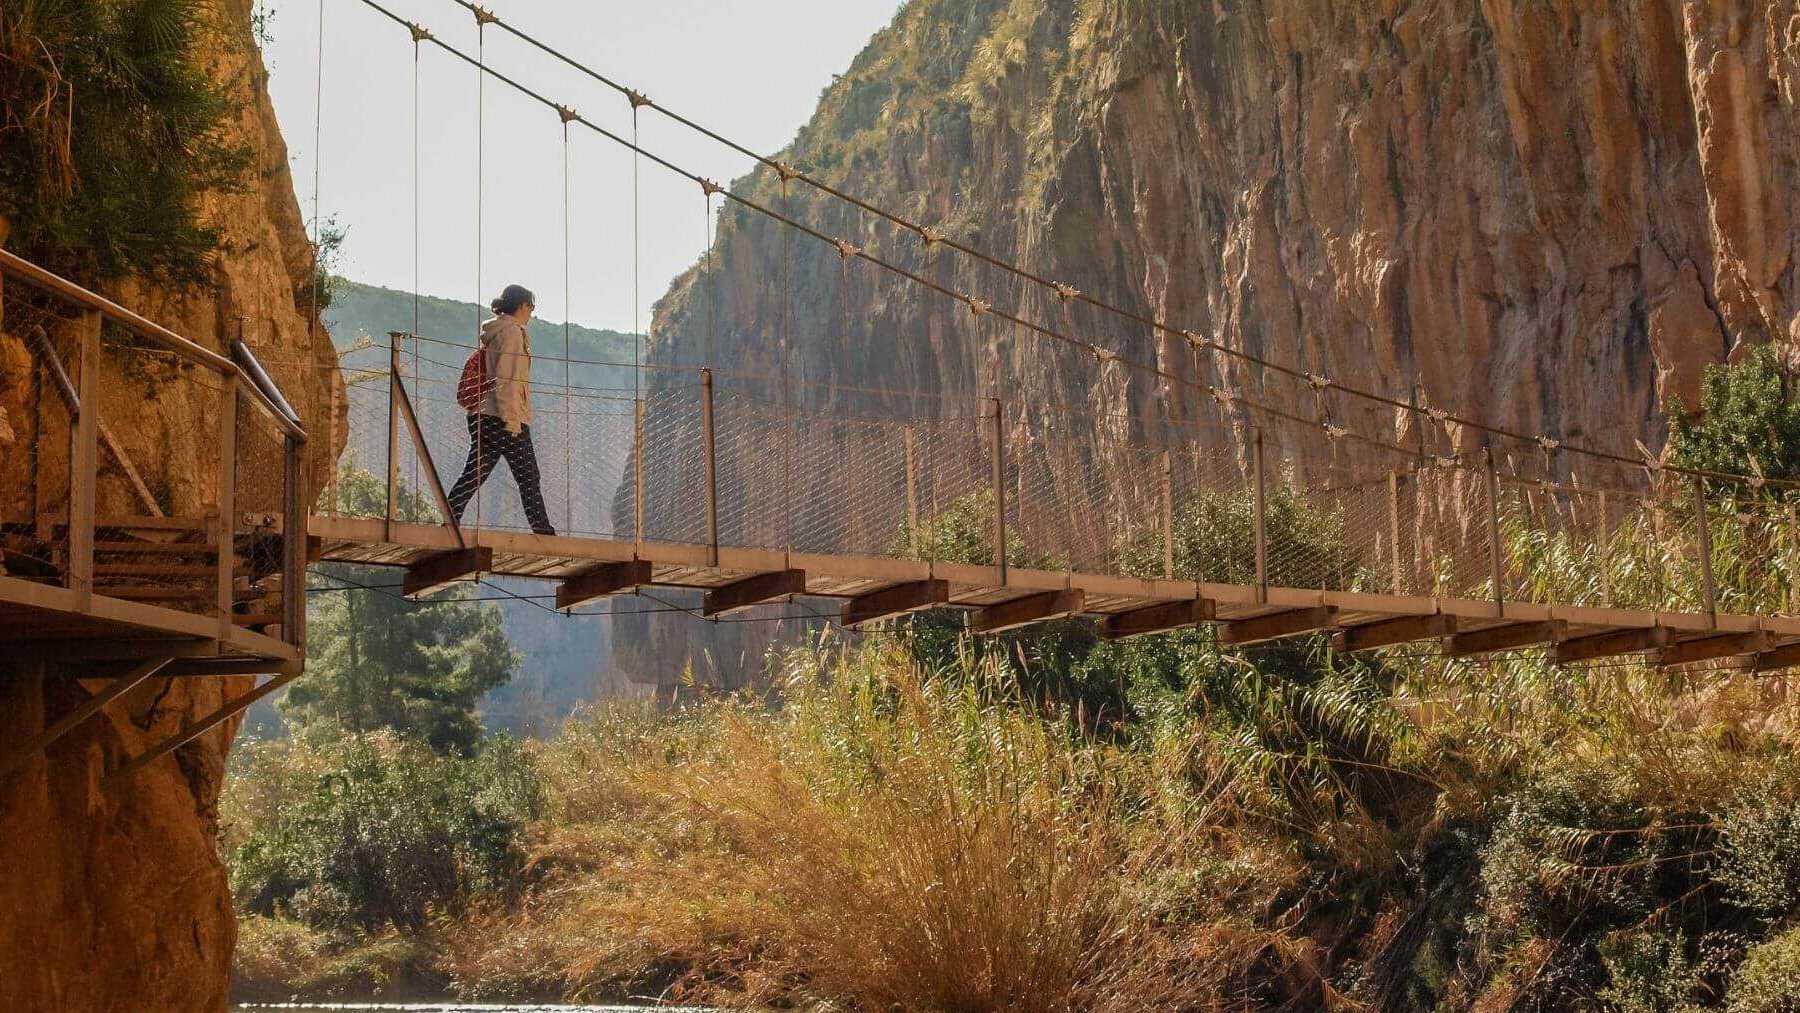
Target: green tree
x=376, y=660
x=1747, y=421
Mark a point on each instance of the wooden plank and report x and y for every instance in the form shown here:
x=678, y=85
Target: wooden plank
x=1276, y=625
x=1158, y=618
x=1035, y=608
x=741, y=594
x=1611, y=644
x=1777, y=658
x=1727, y=645
x=896, y=600
x=1389, y=632
x=602, y=581
x=441, y=569
x=123, y=460
x=1505, y=638
x=120, y=686
x=86, y=648
x=83, y=460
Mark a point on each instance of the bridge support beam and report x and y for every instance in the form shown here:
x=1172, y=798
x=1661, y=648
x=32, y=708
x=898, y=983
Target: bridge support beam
x=750, y=591
x=1777, y=658
x=1036, y=608
x=894, y=601
x=1276, y=625
x=1725, y=645
x=1504, y=638
x=1388, y=632
x=120, y=686
x=1160, y=618
x=1608, y=645
x=602, y=581
x=441, y=569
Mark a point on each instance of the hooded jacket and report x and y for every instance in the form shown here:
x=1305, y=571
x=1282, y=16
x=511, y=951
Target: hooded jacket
x=507, y=346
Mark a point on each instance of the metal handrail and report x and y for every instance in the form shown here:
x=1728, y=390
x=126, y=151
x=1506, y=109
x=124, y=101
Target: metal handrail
x=265, y=390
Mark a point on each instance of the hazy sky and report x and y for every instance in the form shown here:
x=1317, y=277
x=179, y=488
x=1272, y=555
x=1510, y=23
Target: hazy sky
x=750, y=69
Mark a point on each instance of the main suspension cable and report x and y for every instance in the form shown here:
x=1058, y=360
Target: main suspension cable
x=931, y=237
x=1063, y=291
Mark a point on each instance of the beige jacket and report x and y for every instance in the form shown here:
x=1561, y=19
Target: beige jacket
x=508, y=348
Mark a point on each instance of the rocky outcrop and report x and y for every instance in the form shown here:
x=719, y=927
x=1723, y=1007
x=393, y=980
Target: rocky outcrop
x=1549, y=215
x=113, y=897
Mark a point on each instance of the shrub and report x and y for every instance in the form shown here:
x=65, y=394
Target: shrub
x=111, y=135
x=1768, y=980
x=372, y=831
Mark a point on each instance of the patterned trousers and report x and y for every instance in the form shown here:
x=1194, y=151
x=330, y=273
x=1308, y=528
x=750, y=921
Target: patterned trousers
x=488, y=442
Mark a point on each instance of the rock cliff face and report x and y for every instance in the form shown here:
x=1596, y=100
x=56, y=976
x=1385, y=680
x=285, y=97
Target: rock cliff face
x=113, y=896
x=1549, y=215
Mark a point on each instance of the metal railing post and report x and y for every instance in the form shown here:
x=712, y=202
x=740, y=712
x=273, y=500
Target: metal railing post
x=912, y=490
x=1259, y=516
x=1702, y=520
x=393, y=435
x=225, y=530
x=999, y=478
x=84, y=457
x=637, y=476
x=1491, y=482
x=1793, y=554
x=712, y=464
x=1394, y=529
x=293, y=534
x=1168, y=515
x=1603, y=550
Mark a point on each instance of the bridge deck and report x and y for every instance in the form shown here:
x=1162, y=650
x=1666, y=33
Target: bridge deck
x=57, y=623
x=560, y=558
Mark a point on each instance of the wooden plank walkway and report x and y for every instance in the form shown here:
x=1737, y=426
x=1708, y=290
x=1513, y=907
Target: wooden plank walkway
x=1124, y=605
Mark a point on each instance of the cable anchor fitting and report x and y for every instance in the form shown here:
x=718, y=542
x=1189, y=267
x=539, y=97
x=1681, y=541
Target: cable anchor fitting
x=1065, y=292
x=977, y=307
x=845, y=250
x=1548, y=444
x=637, y=98
x=787, y=172
x=419, y=32
x=1438, y=415
x=930, y=235
x=568, y=115
x=1194, y=340
x=708, y=187
x=1317, y=381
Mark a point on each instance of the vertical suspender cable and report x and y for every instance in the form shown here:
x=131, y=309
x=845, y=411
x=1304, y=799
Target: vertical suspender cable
x=312, y=316
x=568, y=351
x=480, y=192
x=637, y=337
x=415, y=238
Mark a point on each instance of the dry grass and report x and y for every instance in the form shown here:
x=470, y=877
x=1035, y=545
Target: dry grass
x=887, y=843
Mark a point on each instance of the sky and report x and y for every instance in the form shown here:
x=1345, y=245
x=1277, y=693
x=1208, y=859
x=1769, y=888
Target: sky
x=751, y=70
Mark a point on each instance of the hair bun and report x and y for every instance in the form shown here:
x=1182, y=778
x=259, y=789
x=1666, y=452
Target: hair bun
x=495, y=305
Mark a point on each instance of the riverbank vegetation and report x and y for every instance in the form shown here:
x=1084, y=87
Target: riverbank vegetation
x=1053, y=823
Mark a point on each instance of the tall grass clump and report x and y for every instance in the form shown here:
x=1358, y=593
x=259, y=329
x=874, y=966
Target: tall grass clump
x=885, y=840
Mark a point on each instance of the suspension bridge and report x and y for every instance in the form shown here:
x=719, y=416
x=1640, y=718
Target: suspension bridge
x=1378, y=519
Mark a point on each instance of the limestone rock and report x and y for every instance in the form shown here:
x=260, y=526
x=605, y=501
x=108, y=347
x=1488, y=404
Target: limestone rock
x=113, y=896
x=1550, y=215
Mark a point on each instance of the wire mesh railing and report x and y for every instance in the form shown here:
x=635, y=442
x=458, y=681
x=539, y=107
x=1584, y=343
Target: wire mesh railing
x=1236, y=498
x=154, y=471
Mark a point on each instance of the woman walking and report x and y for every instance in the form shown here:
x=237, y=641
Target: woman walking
x=496, y=392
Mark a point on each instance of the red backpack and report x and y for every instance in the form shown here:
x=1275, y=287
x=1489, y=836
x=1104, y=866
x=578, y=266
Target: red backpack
x=475, y=382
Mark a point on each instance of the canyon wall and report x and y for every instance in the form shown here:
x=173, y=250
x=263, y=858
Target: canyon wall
x=113, y=896
x=1546, y=214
